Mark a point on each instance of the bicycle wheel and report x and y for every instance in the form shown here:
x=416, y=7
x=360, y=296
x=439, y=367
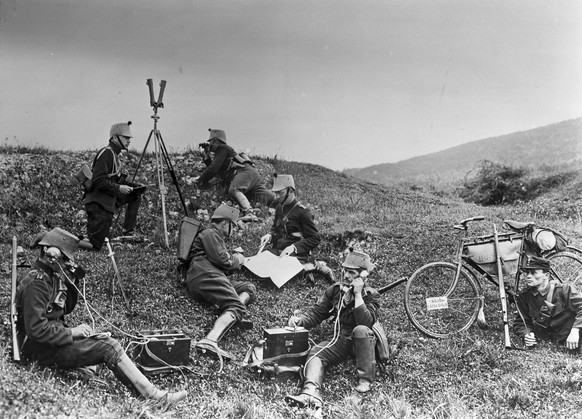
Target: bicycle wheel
x=567, y=268
x=436, y=307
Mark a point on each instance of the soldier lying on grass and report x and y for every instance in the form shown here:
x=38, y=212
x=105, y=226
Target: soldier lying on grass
x=548, y=310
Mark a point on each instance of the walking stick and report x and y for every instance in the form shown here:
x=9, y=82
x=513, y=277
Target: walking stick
x=117, y=275
x=13, y=312
x=502, y=295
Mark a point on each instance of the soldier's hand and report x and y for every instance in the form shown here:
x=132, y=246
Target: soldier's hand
x=288, y=251
x=125, y=189
x=81, y=331
x=573, y=338
x=358, y=285
x=240, y=258
x=530, y=339
x=294, y=321
x=266, y=239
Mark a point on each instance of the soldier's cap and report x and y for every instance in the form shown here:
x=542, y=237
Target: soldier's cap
x=224, y=212
x=281, y=182
x=217, y=134
x=122, y=129
x=535, y=262
x=66, y=242
x=358, y=260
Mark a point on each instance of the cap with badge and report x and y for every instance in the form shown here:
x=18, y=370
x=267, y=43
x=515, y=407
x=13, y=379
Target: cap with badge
x=535, y=262
x=358, y=260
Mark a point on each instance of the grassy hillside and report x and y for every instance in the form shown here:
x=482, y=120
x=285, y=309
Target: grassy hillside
x=551, y=145
x=466, y=376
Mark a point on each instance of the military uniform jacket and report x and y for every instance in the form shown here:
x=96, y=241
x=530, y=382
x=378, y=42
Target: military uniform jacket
x=294, y=224
x=220, y=166
x=566, y=313
x=209, y=246
x=107, y=178
x=42, y=300
x=350, y=317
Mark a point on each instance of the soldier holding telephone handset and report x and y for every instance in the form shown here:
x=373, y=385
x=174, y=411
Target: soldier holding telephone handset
x=355, y=306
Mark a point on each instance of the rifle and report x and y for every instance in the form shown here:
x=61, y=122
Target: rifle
x=13, y=312
x=502, y=295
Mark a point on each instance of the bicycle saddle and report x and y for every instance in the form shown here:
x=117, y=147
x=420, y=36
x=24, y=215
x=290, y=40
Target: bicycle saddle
x=518, y=225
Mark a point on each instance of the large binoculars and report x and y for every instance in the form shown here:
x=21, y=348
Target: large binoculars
x=159, y=103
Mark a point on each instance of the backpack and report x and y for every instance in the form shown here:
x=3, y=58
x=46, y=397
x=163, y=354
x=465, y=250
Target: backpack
x=189, y=229
x=84, y=176
x=240, y=160
x=85, y=173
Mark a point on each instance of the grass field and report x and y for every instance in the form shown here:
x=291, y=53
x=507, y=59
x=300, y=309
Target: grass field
x=469, y=375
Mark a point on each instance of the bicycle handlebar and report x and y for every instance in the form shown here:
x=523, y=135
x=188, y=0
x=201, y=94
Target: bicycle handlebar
x=463, y=224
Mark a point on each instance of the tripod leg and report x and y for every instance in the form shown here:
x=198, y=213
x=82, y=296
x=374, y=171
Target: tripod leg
x=162, y=186
x=171, y=170
x=142, y=154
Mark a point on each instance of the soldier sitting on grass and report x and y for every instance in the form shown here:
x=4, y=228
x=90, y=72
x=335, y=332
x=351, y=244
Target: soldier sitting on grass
x=547, y=309
x=355, y=307
x=294, y=232
x=49, y=292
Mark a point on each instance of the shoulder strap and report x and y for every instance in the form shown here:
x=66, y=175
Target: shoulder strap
x=551, y=292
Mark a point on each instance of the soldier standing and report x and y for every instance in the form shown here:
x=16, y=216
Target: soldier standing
x=111, y=189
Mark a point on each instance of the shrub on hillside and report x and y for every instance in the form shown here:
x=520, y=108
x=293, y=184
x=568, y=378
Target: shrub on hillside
x=495, y=184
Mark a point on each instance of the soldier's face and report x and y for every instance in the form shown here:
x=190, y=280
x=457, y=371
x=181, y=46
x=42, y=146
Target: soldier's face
x=535, y=278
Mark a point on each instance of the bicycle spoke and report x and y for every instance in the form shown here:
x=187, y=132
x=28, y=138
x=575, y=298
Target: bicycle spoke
x=435, y=306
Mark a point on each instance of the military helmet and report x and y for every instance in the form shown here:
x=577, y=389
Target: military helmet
x=224, y=212
x=358, y=260
x=281, y=182
x=65, y=241
x=217, y=134
x=120, y=129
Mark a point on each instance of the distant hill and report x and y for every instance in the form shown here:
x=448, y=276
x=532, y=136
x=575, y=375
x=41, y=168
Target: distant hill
x=552, y=145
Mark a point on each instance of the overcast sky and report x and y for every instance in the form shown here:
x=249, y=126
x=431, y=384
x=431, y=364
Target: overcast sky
x=341, y=83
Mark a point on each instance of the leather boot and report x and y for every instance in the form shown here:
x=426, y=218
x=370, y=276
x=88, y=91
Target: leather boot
x=309, y=396
x=244, y=323
x=242, y=201
x=324, y=270
x=132, y=377
x=321, y=268
x=210, y=343
x=365, y=350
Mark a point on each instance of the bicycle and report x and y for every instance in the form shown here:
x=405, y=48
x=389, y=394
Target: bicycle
x=443, y=298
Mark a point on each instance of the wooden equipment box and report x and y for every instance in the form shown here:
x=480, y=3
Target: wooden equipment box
x=160, y=350
x=286, y=341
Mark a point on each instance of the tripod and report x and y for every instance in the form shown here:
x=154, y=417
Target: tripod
x=161, y=153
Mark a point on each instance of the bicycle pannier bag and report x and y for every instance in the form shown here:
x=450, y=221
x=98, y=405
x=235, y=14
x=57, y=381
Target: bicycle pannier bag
x=547, y=239
x=482, y=251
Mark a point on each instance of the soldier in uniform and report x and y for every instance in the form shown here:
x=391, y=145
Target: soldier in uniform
x=111, y=189
x=294, y=232
x=235, y=170
x=49, y=292
x=355, y=306
x=547, y=309
x=206, y=279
